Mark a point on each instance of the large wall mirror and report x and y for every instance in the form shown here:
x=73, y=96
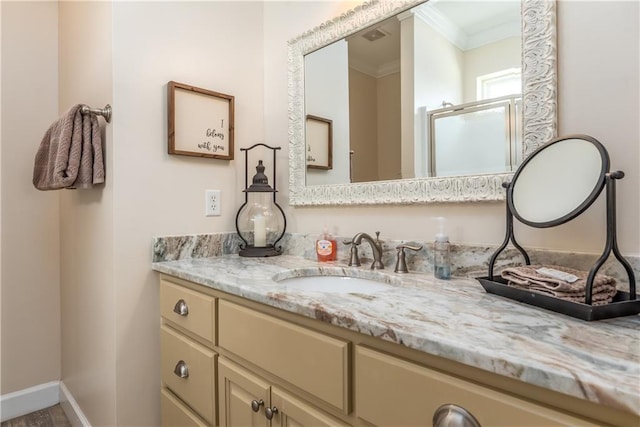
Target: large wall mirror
x=429, y=101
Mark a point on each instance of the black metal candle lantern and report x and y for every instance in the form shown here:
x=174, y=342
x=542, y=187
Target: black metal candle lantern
x=260, y=221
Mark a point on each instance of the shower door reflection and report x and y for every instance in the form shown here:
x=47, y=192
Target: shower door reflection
x=476, y=138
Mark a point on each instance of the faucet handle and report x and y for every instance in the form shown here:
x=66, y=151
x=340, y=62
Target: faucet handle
x=377, y=236
x=401, y=263
x=354, y=260
x=407, y=246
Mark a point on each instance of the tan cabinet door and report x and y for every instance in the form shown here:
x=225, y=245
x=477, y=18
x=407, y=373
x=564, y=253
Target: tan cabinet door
x=238, y=389
x=293, y=412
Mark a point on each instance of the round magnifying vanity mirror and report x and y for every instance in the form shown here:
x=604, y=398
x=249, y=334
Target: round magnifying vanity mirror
x=558, y=181
x=555, y=184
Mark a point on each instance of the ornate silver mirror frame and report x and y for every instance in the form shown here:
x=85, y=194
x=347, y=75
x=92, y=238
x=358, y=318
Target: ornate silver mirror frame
x=539, y=87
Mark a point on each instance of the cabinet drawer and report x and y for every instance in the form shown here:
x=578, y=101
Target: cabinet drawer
x=392, y=391
x=198, y=310
x=175, y=414
x=197, y=388
x=312, y=361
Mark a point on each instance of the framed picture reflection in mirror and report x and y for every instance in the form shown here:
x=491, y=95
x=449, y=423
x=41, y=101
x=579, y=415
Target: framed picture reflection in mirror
x=319, y=152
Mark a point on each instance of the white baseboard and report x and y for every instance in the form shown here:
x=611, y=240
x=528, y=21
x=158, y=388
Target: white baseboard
x=29, y=400
x=71, y=408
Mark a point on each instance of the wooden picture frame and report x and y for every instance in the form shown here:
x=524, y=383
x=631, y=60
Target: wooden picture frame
x=201, y=122
x=319, y=137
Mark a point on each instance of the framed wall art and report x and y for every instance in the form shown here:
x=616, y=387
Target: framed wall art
x=200, y=122
x=319, y=133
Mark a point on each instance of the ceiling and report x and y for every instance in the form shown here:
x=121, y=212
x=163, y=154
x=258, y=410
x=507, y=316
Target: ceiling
x=466, y=23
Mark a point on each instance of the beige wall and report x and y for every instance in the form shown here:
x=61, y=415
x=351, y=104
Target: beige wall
x=388, y=122
x=490, y=58
x=374, y=124
x=599, y=95
x=0, y=198
x=327, y=96
x=109, y=345
x=214, y=45
x=30, y=238
x=112, y=365
x=1, y=216
x=363, y=138
x=88, y=303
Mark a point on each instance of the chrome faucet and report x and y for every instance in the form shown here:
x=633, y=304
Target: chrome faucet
x=376, y=248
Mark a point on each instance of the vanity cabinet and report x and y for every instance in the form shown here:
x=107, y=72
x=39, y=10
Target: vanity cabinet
x=307, y=360
x=252, y=364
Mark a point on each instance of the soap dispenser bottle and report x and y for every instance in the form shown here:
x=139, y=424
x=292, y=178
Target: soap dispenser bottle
x=326, y=247
x=441, y=253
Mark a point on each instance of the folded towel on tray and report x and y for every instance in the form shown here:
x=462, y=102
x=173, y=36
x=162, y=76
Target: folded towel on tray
x=538, y=278
x=70, y=154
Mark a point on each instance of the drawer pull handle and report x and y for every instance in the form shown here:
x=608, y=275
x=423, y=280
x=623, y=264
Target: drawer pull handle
x=450, y=415
x=181, y=308
x=181, y=369
x=270, y=412
x=256, y=404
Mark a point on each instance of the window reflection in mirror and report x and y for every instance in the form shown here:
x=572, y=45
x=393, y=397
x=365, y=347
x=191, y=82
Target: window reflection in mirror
x=434, y=91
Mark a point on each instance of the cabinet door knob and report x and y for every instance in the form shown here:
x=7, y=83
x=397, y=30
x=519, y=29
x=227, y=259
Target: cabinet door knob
x=256, y=404
x=181, y=369
x=450, y=415
x=181, y=308
x=270, y=412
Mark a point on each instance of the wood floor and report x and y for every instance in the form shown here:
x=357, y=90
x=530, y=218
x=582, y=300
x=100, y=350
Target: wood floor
x=48, y=417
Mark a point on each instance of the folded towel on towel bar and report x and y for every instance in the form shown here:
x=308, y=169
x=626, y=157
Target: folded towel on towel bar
x=536, y=278
x=70, y=154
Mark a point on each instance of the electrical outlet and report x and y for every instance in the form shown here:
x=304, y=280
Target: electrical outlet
x=212, y=203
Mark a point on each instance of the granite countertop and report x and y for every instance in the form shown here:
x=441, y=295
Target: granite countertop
x=455, y=319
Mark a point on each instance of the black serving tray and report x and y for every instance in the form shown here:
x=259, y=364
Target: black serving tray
x=620, y=306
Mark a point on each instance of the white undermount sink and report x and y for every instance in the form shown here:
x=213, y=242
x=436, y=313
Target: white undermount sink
x=335, y=284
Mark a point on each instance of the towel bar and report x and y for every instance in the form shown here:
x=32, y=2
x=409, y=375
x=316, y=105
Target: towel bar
x=104, y=112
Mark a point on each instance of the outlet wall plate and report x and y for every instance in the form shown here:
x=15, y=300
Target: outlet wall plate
x=212, y=206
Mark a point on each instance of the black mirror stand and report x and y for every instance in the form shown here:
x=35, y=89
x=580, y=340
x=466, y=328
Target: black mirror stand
x=623, y=304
